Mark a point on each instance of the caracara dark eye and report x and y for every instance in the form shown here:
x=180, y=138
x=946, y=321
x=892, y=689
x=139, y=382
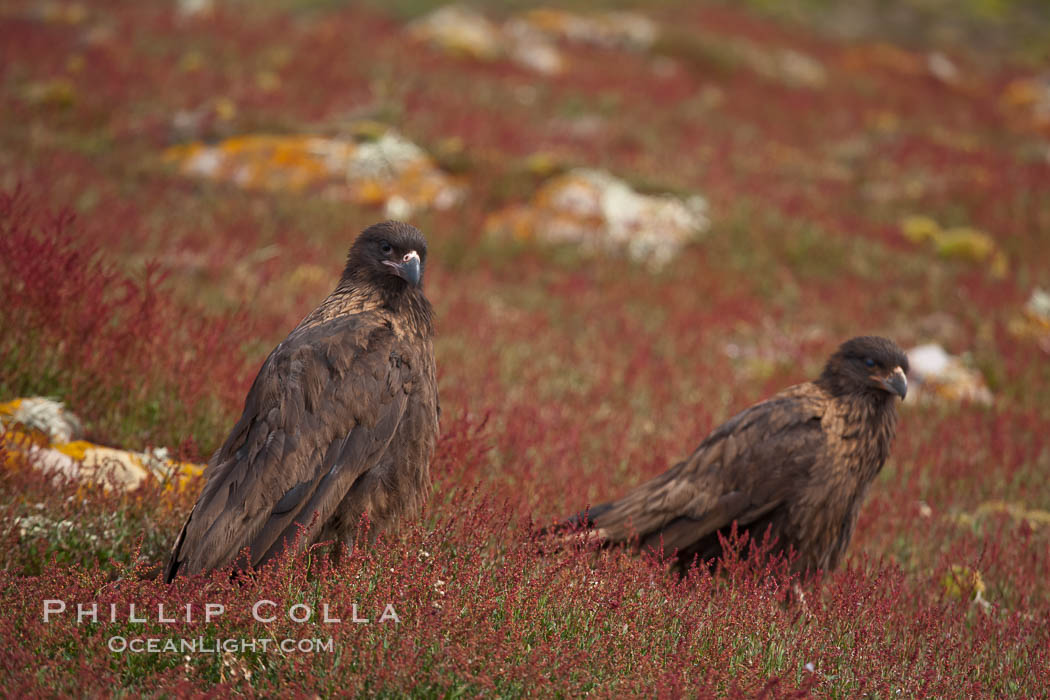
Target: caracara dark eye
x=869, y=362
x=386, y=248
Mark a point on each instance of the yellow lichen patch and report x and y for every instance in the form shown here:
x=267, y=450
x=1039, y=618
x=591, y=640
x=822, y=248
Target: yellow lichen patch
x=63, y=12
x=1027, y=100
x=887, y=57
x=51, y=93
x=173, y=474
x=1017, y=511
x=8, y=408
x=308, y=275
x=962, y=581
x=959, y=243
x=185, y=473
x=919, y=229
x=225, y=108
x=17, y=439
x=78, y=449
x=965, y=243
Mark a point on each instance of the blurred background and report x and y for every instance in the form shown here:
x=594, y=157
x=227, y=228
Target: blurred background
x=642, y=217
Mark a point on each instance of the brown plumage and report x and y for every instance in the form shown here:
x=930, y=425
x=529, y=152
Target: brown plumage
x=340, y=422
x=798, y=464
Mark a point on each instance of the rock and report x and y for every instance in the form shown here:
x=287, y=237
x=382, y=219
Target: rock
x=601, y=213
x=786, y=66
x=40, y=433
x=942, y=68
x=1034, y=321
x=46, y=415
x=1019, y=512
x=1038, y=305
x=529, y=38
x=194, y=8
x=1027, y=100
x=105, y=466
x=460, y=31
x=384, y=169
x=531, y=48
x=940, y=327
x=937, y=375
x=799, y=69
x=629, y=30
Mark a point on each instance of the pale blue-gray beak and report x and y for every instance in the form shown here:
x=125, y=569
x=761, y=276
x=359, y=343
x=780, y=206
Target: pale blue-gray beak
x=896, y=383
x=409, y=268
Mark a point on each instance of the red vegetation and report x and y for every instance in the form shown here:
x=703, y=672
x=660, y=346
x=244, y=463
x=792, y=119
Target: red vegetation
x=564, y=379
x=78, y=328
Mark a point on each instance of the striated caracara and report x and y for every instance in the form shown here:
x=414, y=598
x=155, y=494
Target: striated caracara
x=798, y=464
x=340, y=422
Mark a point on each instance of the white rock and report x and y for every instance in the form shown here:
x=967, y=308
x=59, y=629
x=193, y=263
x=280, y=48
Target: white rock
x=48, y=416
x=397, y=207
x=1039, y=304
x=459, y=29
x=942, y=67
x=937, y=375
x=928, y=360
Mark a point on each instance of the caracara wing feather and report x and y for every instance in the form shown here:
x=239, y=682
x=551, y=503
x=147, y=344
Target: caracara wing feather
x=742, y=471
x=320, y=413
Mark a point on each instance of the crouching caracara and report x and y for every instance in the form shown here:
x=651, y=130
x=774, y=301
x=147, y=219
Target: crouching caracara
x=340, y=422
x=798, y=465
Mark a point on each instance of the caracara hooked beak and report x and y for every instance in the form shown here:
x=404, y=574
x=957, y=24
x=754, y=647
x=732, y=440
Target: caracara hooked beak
x=408, y=268
x=895, y=382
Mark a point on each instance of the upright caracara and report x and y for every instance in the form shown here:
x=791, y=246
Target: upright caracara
x=798, y=464
x=341, y=420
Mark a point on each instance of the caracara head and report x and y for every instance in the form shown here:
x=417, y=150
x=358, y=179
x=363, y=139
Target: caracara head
x=390, y=254
x=867, y=365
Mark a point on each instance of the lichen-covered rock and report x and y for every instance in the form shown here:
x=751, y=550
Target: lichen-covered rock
x=459, y=30
x=48, y=416
x=1027, y=100
x=602, y=213
x=786, y=66
x=1034, y=321
x=962, y=581
x=937, y=375
x=958, y=243
x=42, y=434
x=611, y=29
x=529, y=39
x=383, y=169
